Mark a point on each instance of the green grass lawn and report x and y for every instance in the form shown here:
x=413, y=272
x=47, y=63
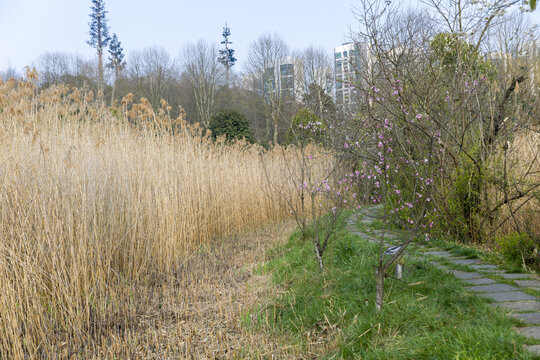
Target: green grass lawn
x=427, y=314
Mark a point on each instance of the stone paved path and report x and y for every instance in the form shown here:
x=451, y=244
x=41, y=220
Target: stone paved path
x=486, y=280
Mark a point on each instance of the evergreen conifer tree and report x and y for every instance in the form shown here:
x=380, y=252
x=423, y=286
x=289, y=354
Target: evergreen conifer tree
x=99, y=33
x=116, y=60
x=226, y=56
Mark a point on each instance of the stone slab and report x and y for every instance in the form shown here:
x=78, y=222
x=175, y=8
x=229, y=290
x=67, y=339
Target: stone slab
x=485, y=267
x=516, y=276
x=465, y=261
x=532, y=332
x=528, y=283
x=443, y=254
x=492, y=288
x=519, y=305
x=494, y=271
x=507, y=296
x=466, y=275
x=387, y=235
x=530, y=318
x=480, y=281
x=533, y=349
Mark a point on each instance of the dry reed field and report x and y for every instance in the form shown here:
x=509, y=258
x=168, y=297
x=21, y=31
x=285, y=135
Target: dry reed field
x=523, y=174
x=117, y=230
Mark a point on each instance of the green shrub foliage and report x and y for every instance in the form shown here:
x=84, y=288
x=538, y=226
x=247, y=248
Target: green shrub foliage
x=519, y=249
x=232, y=124
x=306, y=126
x=463, y=201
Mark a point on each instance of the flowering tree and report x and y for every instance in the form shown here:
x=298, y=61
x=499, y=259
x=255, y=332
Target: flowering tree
x=316, y=172
x=432, y=124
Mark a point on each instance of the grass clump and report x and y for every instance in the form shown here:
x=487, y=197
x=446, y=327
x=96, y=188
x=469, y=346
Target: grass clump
x=518, y=249
x=427, y=314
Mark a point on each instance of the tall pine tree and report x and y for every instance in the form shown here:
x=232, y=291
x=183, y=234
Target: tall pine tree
x=116, y=60
x=226, y=56
x=99, y=34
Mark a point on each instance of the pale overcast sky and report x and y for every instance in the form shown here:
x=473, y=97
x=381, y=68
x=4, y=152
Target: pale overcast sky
x=31, y=27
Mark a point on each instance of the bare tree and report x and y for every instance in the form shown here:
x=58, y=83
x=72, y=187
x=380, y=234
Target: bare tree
x=53, y=67
x=510, y=43
x=9, y=73
x=471, y=19
x=152, y=73
x=60, y=67
x=264, y=63
x=206, y=76
x=318, y=79
x=317, y=67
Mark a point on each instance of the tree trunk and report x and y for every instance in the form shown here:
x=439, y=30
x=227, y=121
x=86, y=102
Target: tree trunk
x=114, y=84
x=318, y=253
x=267, y=137
x=276, y=119
x=100, y=70
x=379, y=292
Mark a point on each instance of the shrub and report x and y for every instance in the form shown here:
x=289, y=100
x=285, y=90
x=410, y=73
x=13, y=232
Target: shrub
x=462, y=216
x=518, y=248
x=232, y=124
x=306, y=126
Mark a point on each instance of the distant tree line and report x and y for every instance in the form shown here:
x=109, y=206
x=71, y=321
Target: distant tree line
x=201, y=81
x=195, y=80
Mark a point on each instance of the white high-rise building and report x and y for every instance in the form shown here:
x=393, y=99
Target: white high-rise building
x=349, y=60
x=283, y=78
x=290, y=77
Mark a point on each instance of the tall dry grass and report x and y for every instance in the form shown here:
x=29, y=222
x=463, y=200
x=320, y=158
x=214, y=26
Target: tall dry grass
x=520, y=215
x=101, y=208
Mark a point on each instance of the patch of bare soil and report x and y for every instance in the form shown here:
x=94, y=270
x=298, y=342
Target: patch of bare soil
x=200, y=311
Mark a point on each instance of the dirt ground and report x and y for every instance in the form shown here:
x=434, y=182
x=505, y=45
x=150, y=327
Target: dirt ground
x=201, y=311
